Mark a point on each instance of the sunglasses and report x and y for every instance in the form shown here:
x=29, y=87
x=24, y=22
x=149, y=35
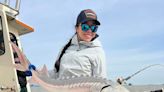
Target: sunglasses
x=86, y=27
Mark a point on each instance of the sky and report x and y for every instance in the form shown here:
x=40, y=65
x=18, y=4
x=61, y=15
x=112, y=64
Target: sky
x=131, y=33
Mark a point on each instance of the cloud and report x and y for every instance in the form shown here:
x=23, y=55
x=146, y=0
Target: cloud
x=138, y=55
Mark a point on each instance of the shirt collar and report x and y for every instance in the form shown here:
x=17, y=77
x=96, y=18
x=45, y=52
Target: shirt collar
x=94, y=43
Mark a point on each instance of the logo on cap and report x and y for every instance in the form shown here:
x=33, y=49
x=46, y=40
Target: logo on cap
x=90, y=14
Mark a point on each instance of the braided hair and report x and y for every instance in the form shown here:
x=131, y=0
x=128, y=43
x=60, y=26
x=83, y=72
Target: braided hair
x=57, y=64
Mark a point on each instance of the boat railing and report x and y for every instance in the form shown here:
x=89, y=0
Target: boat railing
x=14, y=4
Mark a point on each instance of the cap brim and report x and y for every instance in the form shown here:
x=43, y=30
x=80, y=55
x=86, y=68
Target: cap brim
x=96, y=21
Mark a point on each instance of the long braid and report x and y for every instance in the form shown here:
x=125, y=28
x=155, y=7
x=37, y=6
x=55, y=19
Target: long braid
x=57, y=64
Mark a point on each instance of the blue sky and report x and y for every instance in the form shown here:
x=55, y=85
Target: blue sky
x=131, y=33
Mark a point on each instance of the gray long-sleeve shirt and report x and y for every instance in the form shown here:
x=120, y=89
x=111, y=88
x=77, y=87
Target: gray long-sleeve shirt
x=83, y=58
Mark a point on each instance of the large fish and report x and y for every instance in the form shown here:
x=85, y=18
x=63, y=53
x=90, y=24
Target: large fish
x=67, y=84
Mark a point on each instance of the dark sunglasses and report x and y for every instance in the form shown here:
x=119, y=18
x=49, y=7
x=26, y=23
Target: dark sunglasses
x=86, y=27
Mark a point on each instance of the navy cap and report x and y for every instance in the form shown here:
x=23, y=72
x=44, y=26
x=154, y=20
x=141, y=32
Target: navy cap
x=86, y=15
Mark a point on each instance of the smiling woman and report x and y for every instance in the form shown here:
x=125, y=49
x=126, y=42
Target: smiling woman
x=83, y=54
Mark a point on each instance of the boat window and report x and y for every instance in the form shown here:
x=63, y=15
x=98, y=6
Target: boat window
x=2, y=46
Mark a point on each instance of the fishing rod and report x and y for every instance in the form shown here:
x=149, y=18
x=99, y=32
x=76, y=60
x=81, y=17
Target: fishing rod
x=121, y=80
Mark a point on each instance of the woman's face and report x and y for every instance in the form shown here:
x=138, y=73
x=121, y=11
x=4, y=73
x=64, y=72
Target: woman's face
x=86, y=35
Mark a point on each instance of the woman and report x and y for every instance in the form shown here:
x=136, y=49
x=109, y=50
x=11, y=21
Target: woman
x=83, y=54
x=20, y=74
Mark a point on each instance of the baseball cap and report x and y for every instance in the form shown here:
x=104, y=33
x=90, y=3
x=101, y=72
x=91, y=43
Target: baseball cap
x=86, y=15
